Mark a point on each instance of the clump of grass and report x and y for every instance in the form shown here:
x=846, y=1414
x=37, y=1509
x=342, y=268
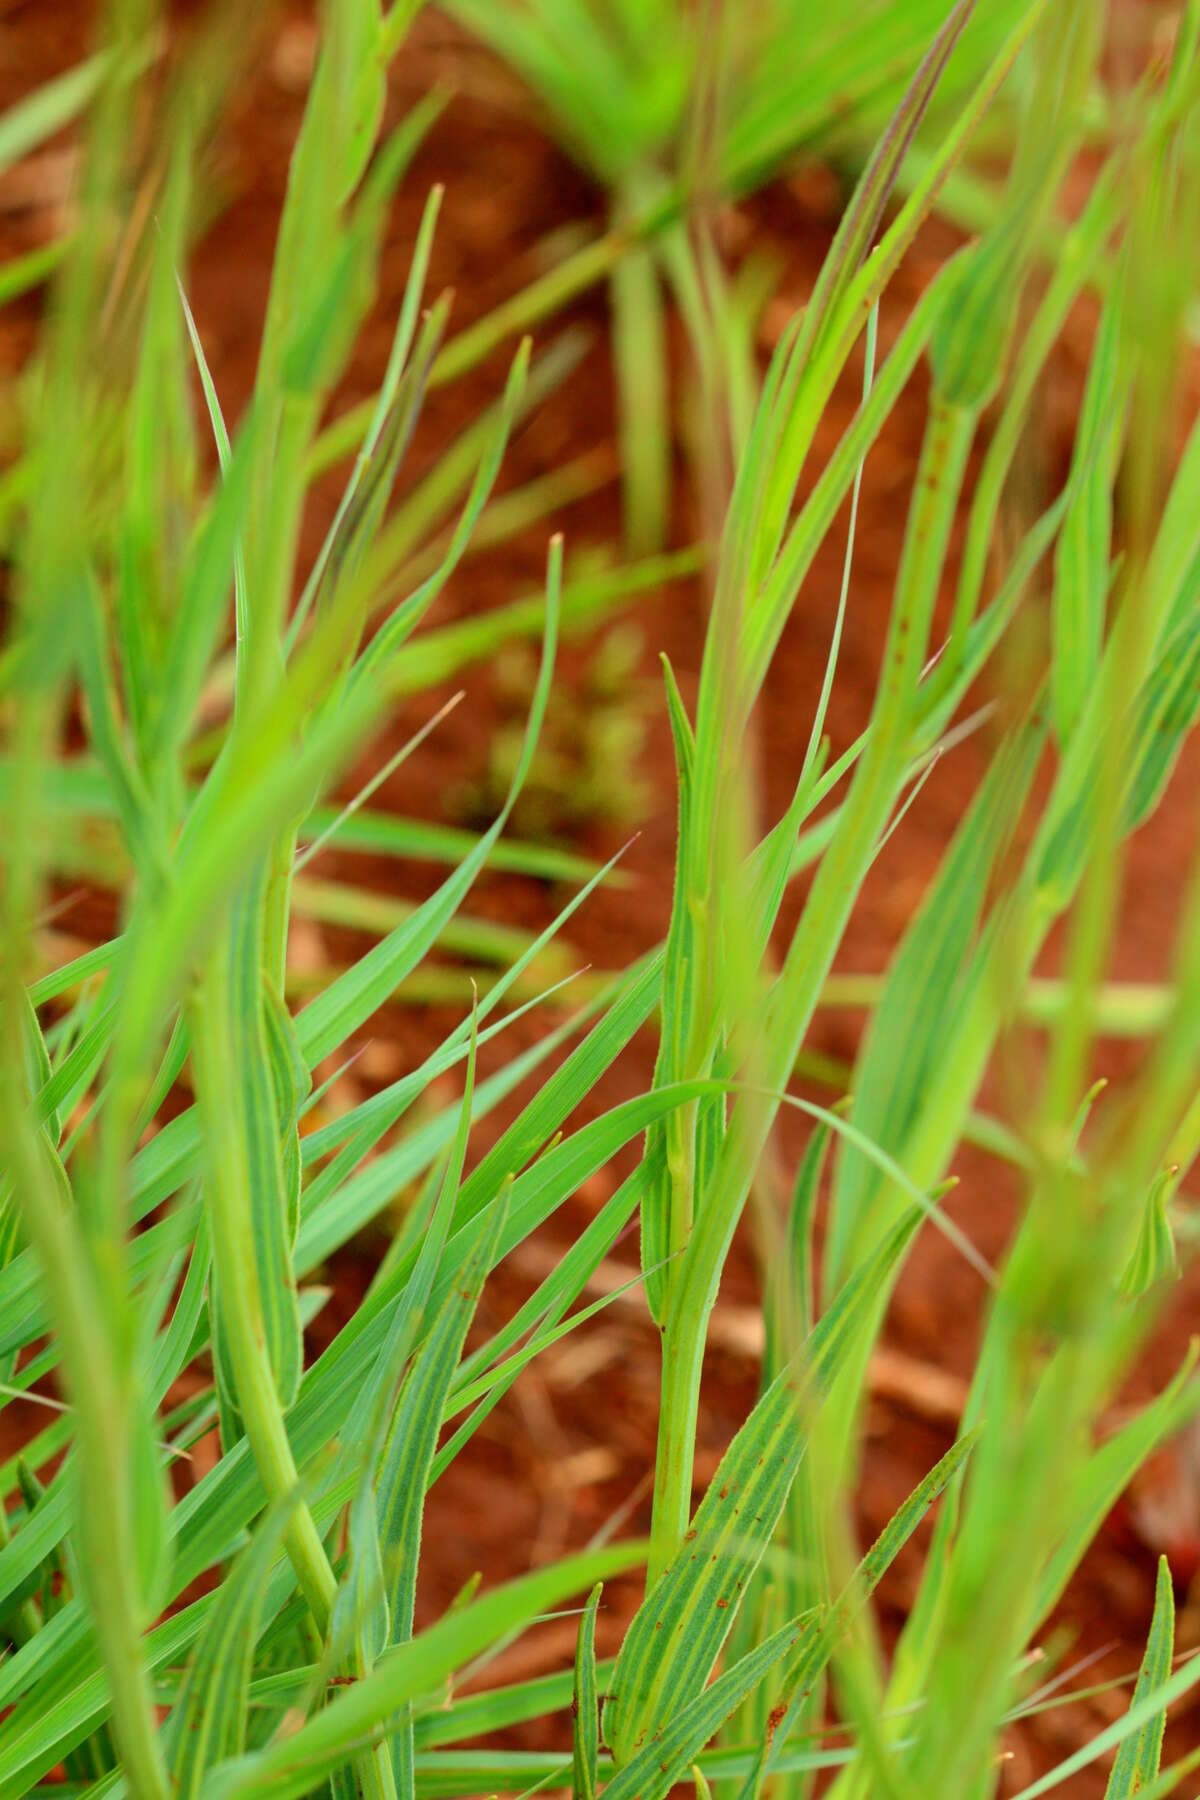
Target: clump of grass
x=166, y=1203
x=671, y=109
x=587, y=766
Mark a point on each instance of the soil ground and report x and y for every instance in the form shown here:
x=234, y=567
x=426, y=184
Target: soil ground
x=574, y=1441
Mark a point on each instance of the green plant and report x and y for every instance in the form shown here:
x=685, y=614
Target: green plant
x=674, y=110
x=586, y=766
x=163, y=1209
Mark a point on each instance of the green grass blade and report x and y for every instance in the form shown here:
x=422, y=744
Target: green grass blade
x=640, y=362
x=1106, y=1474
x=1142, y=1714
x=390, y=639
x=666, y=1217
x=51, y=107
x=1081, y=563
x=225, y=458
x=252, y=1092
x=850, y=246
x=1138, y=1758
x=584, y=1708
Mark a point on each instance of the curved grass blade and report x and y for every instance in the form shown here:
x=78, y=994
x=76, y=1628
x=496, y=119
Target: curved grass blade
x=224, y=456
x=1138, y=1758
x=584, y=1708
x=665, y=1219
x=254, y=1093
x=1081, y=563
